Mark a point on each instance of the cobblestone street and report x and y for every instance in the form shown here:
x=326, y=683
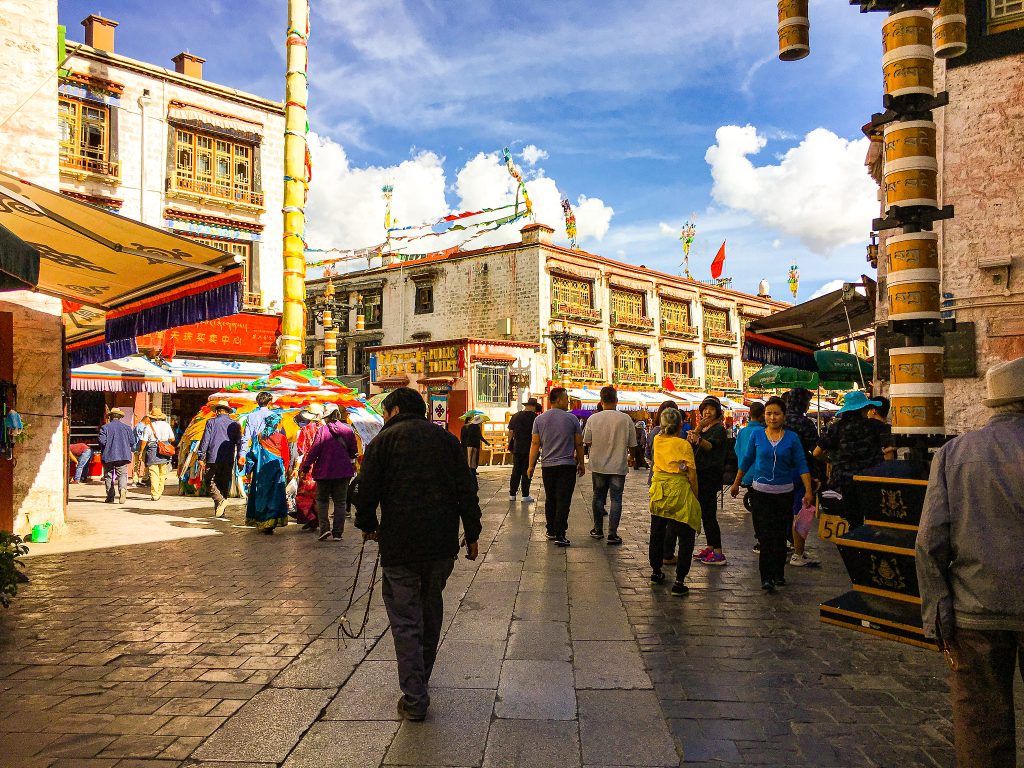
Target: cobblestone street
x=221, y=650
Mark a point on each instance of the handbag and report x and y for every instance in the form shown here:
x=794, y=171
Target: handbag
x=164, y=449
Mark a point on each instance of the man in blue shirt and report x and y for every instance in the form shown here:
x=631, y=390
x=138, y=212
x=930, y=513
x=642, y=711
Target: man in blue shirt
x=755, y=424
x=218, y=452
x=254, y=424
x=117, y=448
x=558, y=437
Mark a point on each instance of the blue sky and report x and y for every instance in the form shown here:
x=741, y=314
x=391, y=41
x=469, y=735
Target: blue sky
x=619, y=103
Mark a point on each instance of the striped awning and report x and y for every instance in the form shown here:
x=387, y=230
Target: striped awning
x=126, y=374
x=629, y=400
x=215, y=374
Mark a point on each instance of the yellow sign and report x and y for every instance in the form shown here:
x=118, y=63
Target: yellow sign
x=831, y=526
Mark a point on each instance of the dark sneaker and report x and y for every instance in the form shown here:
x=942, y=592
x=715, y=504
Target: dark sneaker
x=596, y=533
x=780, y=582
x=679, y=589
x=324, y=536
x=552, y=537
x=562, y=541
x=336, y=536
x=657, y=578
x=768, y=586
x=407, y=714
x=757, y=549
x=614, y=539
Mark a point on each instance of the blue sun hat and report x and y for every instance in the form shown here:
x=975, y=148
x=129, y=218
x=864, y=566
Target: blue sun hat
x=855, y=401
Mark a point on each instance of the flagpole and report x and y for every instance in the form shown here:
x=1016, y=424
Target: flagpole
x=296, y=184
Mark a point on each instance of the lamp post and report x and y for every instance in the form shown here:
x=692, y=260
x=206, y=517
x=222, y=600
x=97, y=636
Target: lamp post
x=560, y=340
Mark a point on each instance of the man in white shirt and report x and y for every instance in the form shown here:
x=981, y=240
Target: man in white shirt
x=611, y=435
x=157, y=431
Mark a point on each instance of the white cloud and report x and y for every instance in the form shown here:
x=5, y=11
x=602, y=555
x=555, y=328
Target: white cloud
x=346, y=208
x=533, y=154
x=831, y=285
x=776, y=243
x=667, y=229
x=819, y=192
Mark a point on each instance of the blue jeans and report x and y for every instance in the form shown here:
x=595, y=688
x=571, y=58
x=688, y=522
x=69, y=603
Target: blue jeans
x=602, y=484
x=83, y=464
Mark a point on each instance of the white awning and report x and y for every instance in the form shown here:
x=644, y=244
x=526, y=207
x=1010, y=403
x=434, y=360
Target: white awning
x=126, y=374
x=215, y=374
x=629, y=400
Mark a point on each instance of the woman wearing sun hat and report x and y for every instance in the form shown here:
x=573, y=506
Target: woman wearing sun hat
x=854, y=441
x=157, y=431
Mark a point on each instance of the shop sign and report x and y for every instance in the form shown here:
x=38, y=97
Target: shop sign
x=418, y=360
x=237, y=335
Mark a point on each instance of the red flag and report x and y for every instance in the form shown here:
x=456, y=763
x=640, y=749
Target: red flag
x=169, y=348
x=667, y=385
x=719, y=263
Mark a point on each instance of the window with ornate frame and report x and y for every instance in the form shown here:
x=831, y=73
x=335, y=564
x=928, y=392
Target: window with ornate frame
x=583, y=353
x=214, y=166
x=716, y=319
x=676, y=312
x=629, y=303
x=677, y=363
x=492, y=384
x=717, y=368
x=749, y=369
x=373, y=309
x=85, y=136
x=629, y=359
x=1004, y=15
x=251, y=296
x=578, y=293
x=424, y=303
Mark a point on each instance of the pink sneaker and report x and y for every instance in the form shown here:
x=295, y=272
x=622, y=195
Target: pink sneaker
x=703, y=553
x=713, y=558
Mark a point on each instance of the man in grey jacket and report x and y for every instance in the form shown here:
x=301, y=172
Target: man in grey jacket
x=970, y=567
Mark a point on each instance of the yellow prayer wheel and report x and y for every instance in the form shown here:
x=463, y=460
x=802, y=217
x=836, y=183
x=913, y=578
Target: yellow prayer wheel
x=915, y=365
x=360, y=322
x=917, y=250
x=330, y=366
x=909, y=138
x=328, y=318
x=949, y=29
x=907, y=28
x=914, y=295
x=330, y=341
x=917, y=409
x=911, y=181
x=794, y=30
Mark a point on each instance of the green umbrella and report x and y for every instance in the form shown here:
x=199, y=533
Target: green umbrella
x=780, y=377
x=842, y=366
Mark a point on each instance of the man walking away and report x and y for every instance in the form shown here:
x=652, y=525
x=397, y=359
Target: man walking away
x=139, y=476
x=755, y=424
x=610, y=435
x=417, y=473
x=557, y=435
x=117, y=449
x=332, y=458
x=970, y=567
x=156, y=433
x=520, y=437
x=254, y=423
x=218, y=452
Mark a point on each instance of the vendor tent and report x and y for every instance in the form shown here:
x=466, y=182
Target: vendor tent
x=124, y=278
x=629, y=400
x=215, y=374
x=127, y=374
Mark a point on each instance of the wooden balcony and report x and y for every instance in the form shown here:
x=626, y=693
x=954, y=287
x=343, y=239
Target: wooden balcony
x=716, y=383
x=713, y=336
x=187, y=186
x=683, y=382
x=585, y=374
x=77, y=165
x=252, y=300
x=577, y=312
x=632, y=322
x=635, y=379
x=679, y=330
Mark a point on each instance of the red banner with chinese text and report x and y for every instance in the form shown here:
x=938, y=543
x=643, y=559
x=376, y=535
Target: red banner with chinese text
x=234, y=336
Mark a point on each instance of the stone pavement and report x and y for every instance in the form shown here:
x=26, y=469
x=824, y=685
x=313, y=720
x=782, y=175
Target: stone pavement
x=221, y=651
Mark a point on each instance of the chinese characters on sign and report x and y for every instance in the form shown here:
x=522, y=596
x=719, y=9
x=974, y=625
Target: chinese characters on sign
x=243, y=335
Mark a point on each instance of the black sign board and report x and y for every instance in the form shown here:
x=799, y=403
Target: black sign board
x=959, y=362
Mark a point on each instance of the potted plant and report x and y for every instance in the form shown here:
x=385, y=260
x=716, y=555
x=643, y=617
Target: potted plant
x=11, y=548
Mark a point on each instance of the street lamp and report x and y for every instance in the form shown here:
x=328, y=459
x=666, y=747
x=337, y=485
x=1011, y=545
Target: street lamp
x=323, y=308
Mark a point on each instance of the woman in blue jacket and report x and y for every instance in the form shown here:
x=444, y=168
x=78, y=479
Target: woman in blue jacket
x=774, y=458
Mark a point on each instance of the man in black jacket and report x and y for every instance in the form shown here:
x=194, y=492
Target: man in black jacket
x=417, y=473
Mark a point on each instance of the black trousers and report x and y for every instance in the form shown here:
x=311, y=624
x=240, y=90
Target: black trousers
x=413, y=597
x=773, y=516
x=219, y=477
x=559, y=484
x=707, y=495
x=984, y=731
x=520, y=480
x=335, y=490
x=661, y=528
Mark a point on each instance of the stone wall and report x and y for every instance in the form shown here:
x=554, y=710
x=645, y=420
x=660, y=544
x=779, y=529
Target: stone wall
x=981, y=143
x=28, y=145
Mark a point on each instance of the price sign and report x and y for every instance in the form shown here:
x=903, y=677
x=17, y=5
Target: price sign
x=831, y=526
